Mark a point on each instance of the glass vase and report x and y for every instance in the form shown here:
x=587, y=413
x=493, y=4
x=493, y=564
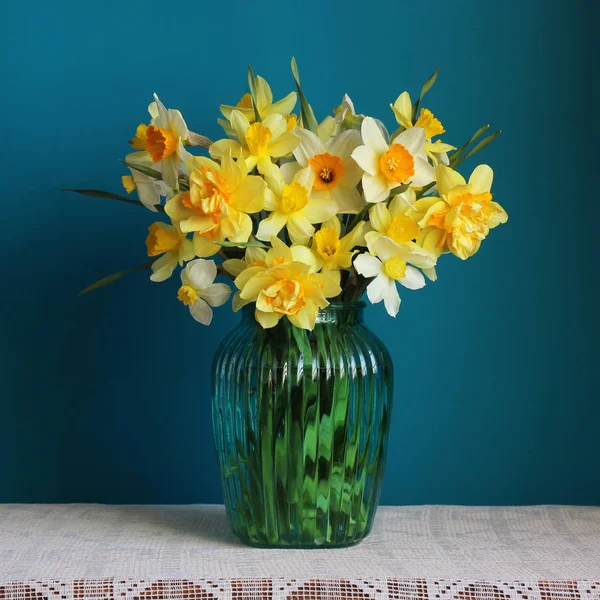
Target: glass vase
x=301, y=422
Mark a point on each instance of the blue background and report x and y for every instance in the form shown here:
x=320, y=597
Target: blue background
x=105, y=397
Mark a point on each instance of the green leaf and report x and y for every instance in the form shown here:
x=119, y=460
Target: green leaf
x=308, y=116
x=145, y=170
x=252, y=86
x=428, y=84
x=460, y=151
x=426, y=87
x=399, y=189
x=483, y=144
x=110, y=278
x=101, y=194
x=253, y=244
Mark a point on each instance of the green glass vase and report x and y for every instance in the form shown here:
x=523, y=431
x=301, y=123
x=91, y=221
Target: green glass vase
x=301, y=422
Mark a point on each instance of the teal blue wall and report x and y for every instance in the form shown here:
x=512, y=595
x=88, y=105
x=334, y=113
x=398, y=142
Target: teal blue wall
x=106, y=397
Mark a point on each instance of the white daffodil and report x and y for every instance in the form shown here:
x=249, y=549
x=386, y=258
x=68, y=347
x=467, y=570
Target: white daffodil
x=388, y=166
x=257, y=142
x=149, y=189
x=173, y=247
x=163, y=139
x=198, y=290
x=388, y=263
x=292, y=205
x=336, y=172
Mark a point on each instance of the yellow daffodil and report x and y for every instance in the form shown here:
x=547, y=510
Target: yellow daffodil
x=198, y=290
x=336, y=172
x=289, y=290
x=403, y=112
x=172, y=244
x=257, y=142
x=463, y=214
x=218, y=203
x=388, y=262
x=257, y=260
x=264, y=103
x=390, y=220
x=388, y=166
x=292, y=205
x=163, y=140
x=333, y=253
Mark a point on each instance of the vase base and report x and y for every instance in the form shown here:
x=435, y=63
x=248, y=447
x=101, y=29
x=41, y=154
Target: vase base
x=283, y=545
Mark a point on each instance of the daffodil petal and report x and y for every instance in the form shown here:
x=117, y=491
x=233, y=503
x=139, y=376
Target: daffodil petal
x=412, y=139
x=344, y=144
x=413, y=280
x=163, y=267
x=239, y=124
x=283, y=107
x=201, y=273
x=201, y=312
x=317, y=211
x=309, y=146
x=272, y=225
x=391, y=300
x=300, y=229
x=204, y=246
x=368, y=265
x=216, y=294
x=375, y=187
x=284, y=144
x=372, y=136
x=367, y=159
x=267, y=320
x=217, y=149
x=481, y=179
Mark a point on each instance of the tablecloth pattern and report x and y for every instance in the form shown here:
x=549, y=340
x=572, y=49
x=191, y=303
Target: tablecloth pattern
x=95, y=552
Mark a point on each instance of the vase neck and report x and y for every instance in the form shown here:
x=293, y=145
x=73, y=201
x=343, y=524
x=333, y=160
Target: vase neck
x=348, y=313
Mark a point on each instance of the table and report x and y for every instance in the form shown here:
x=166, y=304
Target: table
x=103, y=552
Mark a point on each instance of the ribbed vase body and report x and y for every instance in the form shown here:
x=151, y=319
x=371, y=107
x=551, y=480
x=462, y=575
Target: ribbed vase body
x=301, y=425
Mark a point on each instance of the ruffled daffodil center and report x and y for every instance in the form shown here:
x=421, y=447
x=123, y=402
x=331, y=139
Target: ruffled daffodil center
x=395, y=268
x=258, y=137
x=328, y=170
x=209, y=192
x=294, y=197
x=187, y=294
x=285, y=297
x=160, y=142
x=162, y=238
x=402, y=229
x=327, y=242
x=397, y=164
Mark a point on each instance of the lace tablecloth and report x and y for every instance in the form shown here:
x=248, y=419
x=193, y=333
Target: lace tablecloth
x=97, y=552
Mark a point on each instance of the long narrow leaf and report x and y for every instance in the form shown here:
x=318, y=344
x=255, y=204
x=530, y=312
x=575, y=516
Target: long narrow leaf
x=111, y=196
x=428, y=84
x=145, y=170
x=426, y=87
x=111, y=278
x=308, y=116
x=460, y=151
x=252, y=244
x=252, y=86
x=483, y=144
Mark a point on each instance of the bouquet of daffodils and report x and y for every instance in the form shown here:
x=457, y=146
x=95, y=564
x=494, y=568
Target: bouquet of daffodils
x=299, y=213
